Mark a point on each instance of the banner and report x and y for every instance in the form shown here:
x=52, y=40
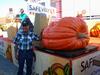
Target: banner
x=84, y=65
x=37, y=8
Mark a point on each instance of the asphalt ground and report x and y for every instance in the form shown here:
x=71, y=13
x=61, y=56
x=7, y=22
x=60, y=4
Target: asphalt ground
x=6, y=67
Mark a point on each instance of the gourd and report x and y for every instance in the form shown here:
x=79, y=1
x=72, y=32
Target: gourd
x=69, y=33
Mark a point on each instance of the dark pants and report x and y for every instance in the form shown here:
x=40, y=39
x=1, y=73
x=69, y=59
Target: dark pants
x=28, y=56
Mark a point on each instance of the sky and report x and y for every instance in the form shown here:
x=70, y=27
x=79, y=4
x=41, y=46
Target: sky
x=70, y=7
x=6, y=4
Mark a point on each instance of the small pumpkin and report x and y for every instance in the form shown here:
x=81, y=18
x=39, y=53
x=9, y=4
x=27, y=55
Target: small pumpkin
x=69, y=33
x=95, y=30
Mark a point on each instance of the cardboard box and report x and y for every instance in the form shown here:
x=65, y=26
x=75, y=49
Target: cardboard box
x=40, y=23
x=11, y=31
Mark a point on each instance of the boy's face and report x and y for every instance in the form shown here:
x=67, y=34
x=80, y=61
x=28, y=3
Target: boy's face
x=25, y=28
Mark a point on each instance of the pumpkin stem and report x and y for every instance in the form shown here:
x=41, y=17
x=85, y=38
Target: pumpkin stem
x=82, y=35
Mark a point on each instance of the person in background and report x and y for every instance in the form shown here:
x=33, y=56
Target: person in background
x=22, y=14
x=24, y=43
x=17, y=22
x=10, y=15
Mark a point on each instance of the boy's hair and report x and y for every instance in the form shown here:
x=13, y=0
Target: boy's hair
x=26, y=22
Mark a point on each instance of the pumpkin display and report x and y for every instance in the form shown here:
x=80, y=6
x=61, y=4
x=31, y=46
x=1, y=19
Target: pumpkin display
x=69, y=33
x=95, y=30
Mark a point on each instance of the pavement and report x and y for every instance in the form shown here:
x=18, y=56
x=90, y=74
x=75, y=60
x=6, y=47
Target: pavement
x=6, y=67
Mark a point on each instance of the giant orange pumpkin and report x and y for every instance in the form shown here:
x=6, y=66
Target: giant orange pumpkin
x=69, y=33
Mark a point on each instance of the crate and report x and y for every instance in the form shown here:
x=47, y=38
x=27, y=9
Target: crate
x=50, y=63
